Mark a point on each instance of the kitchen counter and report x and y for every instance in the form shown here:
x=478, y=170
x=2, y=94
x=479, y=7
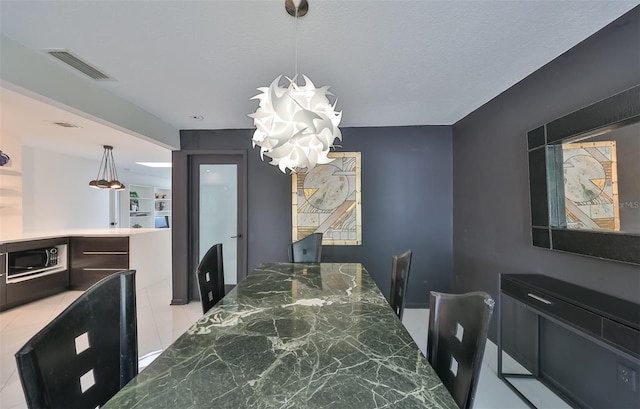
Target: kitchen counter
x=73, y=233
x=148, y=251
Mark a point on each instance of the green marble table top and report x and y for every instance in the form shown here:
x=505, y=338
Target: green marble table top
x=292, y=336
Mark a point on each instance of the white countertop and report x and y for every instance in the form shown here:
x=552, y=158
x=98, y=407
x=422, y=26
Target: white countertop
x=74, y=232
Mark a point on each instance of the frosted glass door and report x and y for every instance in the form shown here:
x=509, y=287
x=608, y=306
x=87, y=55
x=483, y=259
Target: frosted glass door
x=218, y=218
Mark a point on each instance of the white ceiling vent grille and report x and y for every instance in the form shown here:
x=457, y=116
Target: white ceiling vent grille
x=65, y=124
x=75, y=62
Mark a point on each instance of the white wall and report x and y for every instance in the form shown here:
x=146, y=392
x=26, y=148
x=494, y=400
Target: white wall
x=56, y=192
x=11, y=186
x=52, y=192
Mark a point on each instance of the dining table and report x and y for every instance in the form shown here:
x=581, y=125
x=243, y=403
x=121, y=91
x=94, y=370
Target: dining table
x=292, y=335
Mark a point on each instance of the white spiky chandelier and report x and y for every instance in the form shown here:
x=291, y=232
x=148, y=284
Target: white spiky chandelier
x=296, y=124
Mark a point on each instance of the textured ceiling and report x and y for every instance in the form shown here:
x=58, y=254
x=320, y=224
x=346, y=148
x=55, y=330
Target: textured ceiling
x=388, y=62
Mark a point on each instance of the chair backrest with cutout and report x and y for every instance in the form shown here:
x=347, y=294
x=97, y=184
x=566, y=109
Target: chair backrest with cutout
x=400, y=267
x=88, y=352
x=458, y=327
x=210, y=276
x=307, y=250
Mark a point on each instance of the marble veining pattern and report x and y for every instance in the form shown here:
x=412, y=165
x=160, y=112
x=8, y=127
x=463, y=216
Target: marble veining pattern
x=292, y=336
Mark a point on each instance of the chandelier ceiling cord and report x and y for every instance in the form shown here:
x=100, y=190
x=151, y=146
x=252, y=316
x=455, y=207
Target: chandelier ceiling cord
x=296, y=125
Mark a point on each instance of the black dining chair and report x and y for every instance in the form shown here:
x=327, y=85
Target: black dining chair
x=210, y=276
x=88, y=352
x=458, y=327
x=400, y=267
x=307, y=250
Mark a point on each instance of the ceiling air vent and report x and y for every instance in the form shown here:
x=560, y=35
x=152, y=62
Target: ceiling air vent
x=66, y=125
x=75, y=62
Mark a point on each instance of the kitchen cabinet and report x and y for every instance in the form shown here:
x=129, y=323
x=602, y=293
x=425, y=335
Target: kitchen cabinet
x=17, y=291
x=93, y=258
x=3, y=283
x=37, y=288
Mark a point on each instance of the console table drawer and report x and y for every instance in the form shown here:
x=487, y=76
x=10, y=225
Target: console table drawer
x=626, y=338
x=581, y=339
x=554, y=307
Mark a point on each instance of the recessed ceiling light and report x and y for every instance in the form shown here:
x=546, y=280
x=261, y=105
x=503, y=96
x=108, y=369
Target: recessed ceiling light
x=155, y=164
x=196, y=117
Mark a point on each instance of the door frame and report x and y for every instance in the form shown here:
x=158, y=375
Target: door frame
x=184, y=232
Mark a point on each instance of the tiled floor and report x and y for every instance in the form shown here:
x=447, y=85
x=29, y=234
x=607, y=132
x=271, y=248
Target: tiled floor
x=159, y=324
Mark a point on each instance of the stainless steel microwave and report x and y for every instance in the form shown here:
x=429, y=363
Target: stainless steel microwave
x=31, y=263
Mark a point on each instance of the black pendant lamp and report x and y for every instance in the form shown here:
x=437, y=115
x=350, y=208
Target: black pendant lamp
x=107, y=174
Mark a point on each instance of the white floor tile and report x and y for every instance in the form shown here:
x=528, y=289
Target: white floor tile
x=51, y=301
x=539, y=394
x=159, y=293
x=34, y=319
x=148, y=337
x=68, y=298
x=168, y=338
x=142, y=302
x=7, y=368
x=12, y=396
x=13, y=339
x=7, y=317
x=171, y=317
x=492, y=393
x=416, y=321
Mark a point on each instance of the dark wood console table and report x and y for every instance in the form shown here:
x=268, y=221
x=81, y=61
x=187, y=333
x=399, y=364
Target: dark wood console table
x=581, y=344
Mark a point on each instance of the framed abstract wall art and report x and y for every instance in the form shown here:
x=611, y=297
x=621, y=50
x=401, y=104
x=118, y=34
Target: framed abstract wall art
x=591, y=185
x=327, y=200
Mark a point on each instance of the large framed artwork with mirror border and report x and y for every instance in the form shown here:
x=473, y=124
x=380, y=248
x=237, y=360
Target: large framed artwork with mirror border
x=545, y=179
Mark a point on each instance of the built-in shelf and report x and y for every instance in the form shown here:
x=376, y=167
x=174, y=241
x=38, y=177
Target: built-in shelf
x=10, y=172
x=7, y=192
x=142, y=205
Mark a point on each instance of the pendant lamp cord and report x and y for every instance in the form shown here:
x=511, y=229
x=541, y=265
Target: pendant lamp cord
x=296, y=43
x=113, y=165
x=103, y=162
x=110, y=166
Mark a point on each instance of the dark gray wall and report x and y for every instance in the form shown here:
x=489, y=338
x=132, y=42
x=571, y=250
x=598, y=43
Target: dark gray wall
x=406, y=202
x=491, y=228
